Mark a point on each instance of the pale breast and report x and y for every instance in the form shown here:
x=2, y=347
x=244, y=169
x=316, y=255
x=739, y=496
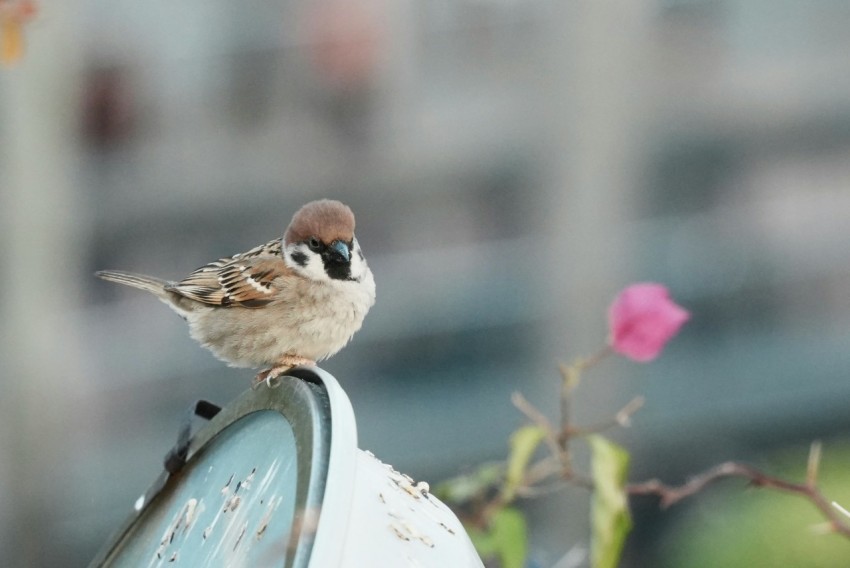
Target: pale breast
x=312, y=320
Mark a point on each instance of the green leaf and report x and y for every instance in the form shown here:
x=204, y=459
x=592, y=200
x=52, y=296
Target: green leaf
x=465, y=488
x=506, y=538
x=483, y=541
x=610, y=518
x=523, y=444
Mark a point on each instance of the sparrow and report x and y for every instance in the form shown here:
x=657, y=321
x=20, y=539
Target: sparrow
x=293, y=301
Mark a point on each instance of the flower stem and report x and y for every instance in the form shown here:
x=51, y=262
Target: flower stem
x=571, y=375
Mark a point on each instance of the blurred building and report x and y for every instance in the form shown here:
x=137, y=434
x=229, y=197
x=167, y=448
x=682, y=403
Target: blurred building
x=512, y=164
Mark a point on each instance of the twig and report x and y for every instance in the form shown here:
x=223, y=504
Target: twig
x=670, y=495
x=550, y=466
x=540, y=470
x=624, y=416
x=571, y=376
x=538, y=418
x=532, y=492
x=622, y=419
x=594, y=359
x=813, y=465
x=531, y=412
x=843, y=511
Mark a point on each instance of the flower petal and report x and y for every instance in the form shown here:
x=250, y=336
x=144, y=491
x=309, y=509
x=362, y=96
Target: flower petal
x=643, y=319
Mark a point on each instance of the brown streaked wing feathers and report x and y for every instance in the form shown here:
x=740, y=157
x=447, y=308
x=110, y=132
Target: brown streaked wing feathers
x=244, y=279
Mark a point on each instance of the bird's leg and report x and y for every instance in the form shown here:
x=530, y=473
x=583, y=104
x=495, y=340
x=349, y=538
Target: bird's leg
x=287, y=362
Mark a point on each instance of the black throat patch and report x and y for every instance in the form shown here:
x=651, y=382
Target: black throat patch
x=337, y=270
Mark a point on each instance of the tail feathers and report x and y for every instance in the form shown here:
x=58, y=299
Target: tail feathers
x=148, y=283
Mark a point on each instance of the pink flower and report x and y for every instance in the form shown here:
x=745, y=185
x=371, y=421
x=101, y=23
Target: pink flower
x=642, y=320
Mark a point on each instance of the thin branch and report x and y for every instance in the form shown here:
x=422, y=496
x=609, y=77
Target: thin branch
x=813, y=465
x=549, y=467
x=594, y=359
x=538, y=418
x=532, y=492
x=623, y=419
x=841, y=509
x=540, y=470
x=670, y=495
x=531, y=412
x=571, y=377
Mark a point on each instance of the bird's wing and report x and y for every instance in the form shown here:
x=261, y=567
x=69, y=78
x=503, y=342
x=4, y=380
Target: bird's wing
x=245, y=279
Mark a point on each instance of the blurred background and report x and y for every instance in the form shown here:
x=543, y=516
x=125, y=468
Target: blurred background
x=512, y=165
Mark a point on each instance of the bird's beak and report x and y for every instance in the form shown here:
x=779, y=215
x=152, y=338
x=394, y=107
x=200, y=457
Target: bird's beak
x=338, y=252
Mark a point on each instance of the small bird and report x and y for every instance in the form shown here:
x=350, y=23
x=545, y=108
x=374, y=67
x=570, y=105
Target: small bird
x=292, y=301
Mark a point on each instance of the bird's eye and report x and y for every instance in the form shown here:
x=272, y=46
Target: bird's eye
x=314, y=243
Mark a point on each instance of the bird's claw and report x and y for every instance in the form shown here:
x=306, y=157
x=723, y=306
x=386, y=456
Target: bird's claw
x=271, y=377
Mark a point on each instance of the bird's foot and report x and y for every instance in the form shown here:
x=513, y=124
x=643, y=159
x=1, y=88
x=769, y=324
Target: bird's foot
x=271, y=376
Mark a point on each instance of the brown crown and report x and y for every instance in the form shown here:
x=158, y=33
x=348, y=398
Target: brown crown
x=326, y=219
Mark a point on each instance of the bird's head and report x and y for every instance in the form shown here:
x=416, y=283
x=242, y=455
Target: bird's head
x=320, y=243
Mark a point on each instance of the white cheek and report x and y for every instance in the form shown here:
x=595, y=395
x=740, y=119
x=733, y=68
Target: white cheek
x=358, y=264
x=315, y=268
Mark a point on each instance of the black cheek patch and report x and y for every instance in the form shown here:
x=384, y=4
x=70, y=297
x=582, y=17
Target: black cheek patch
x=299, y=258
